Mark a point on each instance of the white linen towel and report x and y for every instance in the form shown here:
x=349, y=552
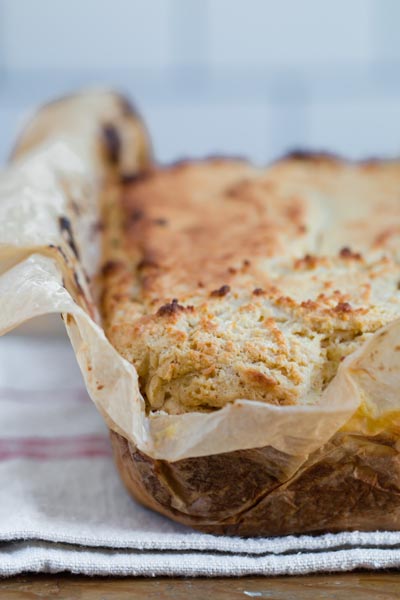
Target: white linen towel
x=63, y=507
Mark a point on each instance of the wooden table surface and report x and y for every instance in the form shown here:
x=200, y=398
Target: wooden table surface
x=357, y=586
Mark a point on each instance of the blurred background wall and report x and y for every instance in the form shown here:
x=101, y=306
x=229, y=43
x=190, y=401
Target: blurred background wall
x=247, y=77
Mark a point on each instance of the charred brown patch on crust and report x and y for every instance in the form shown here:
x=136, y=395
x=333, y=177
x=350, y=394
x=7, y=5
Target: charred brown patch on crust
x=172, y=308
x=160, y=221
x=136, y=215
x=136, y=177
x=258, y=292
x=147, y=262
x=110, y=267
x=307, y=262
x=222, y=291
x=346, y=252
x=309, y=156
x=238, y=190
x=112, y=142
x=65, y=227
x=299, y=154
x=343, y=307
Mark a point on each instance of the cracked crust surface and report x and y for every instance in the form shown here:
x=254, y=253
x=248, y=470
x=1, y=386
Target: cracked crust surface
x=226, y=281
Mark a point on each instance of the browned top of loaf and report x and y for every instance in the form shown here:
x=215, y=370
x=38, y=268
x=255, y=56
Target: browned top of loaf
x=225, y=281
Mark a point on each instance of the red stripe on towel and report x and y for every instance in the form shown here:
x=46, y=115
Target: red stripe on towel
x=41, y=448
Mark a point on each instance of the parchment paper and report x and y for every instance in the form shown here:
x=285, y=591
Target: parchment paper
x=57, y=179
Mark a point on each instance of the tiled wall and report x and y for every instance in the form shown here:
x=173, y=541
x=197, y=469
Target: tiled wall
x=248, y=77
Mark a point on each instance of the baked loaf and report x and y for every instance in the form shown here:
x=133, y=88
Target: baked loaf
x=235, y=292
x=224, y=281
x=234, y=282
x=352, y=483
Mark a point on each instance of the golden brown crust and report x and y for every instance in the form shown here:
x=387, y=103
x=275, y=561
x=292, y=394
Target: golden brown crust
x=224, y=281
x=229, y=281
